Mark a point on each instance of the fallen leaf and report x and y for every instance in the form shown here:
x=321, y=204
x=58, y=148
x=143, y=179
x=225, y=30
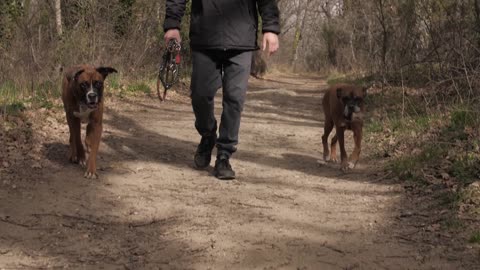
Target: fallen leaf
x=36, y=165
x=445, y=176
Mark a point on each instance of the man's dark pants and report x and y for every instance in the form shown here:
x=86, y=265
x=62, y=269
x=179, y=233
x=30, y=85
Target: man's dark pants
x=214, y=69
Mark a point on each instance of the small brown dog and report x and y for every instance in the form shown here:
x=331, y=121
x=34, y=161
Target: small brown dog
x=343, y=106
x=82, y=96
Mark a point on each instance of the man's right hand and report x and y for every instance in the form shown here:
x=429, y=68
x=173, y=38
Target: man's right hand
x=172, y=34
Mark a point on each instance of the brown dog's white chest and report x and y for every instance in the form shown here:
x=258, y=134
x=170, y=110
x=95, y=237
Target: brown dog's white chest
x=83, y=113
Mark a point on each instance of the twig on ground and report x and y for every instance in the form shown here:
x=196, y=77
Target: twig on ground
x=99, y=223
x=383, y=177
x=71, y=217
x=404, y=238
x=252, y=205
x=145, y=224
x=333, y=248
x=11, y=222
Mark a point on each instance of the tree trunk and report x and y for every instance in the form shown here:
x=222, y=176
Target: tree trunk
x=58, y=17
x=300, y=33
x=477, y=19
x=385, y=33
x=477, y=12
x=297, y=32
x=329, y=34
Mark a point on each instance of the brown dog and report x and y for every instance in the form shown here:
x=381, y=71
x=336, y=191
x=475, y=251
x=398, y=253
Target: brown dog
x=343, y=106
x=82, y=96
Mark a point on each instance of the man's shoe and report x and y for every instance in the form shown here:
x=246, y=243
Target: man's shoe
x=203, y=155
x=223, y=170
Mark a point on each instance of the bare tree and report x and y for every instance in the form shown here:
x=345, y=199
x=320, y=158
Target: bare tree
x=300, y=26
x=58, y=17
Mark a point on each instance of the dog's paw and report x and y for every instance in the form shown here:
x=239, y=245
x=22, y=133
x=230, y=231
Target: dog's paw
x=82, y=163
x=333, y=159
x=77, y=160
x=321, y=162
x=73, y=159
x=90, y=175
x=345, y=167
x=351, y=165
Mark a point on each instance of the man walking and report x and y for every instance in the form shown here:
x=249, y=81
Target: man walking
x=223, y=34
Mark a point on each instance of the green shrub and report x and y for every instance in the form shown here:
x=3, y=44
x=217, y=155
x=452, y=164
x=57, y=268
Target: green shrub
x=466, y=169
x=138, y=87
x=475, y=238
x=463, y=117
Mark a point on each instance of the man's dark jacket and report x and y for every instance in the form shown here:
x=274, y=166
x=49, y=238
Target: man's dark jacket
x=224, y=24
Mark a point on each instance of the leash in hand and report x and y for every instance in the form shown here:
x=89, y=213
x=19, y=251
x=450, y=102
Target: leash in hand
x=169, y=72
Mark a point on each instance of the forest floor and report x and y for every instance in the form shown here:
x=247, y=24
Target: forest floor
x=151, y=210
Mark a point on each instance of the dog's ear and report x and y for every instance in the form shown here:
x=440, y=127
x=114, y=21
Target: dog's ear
x=105, y=71
x=77, y=74
x=339, y=92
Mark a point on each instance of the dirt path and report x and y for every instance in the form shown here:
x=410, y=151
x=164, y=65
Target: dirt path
x=152, y=210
